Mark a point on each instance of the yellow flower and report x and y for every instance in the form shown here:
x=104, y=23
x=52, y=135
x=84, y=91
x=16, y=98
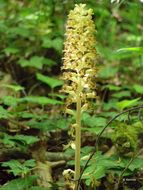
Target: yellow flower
x=79, y=67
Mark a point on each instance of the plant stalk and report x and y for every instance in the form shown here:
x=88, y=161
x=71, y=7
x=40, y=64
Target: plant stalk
x=77, y=137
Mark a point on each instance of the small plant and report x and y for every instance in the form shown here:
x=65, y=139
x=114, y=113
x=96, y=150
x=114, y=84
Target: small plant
x=18, y=168
x=79, y=70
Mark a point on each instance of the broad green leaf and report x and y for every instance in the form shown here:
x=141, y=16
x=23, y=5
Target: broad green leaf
x=130, y=49
x=30, y=163
x=129, y=52
x=52, y=82
x=7, y=140
x=3, y=27
x=36, y=62
x=15, y=167
x=19, y=30
x=137, y=163
x=62, y=97
x=93, y=124
x=93, y=130
x=18, y=168
x=109, y=114
x=112, y=104
x=122, y=94
x=47, y=43
x=108, y=71
x=86, y=150
x=102, y=164
x=9, y=100
x=4, y=113
x=49, y=124
x=56, y=43
x=99, y=172
x=127, y=103
x=63, y=123
x=25, y=139
x=138, y=88
x=25, y=115
x=15, y=88
x=19, y=184
x=46, y=125
x=11, y=50
x=93, y=121
x=88, y=181
x=40, y=100
x=113, y=87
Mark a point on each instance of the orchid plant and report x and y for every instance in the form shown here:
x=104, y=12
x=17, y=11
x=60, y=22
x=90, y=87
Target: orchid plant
x=79, y=71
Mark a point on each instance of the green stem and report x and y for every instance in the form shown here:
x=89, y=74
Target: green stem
x=78, y=137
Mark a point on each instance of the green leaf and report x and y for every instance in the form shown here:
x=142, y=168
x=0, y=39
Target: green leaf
x=25, y=115
x=36, y=62
x=49, y=124
x=11, y=50
x=40, y=100
x=138, y=88
x=19, y=184
x=93, y=121
x=7, y=141
x=18, y=168
x=61, y=96
x=112, y=104
x=9, y=100
x=137, y=163
x=93, y=124
x=47, y=43
x=52, y=82
x=25, y=139
x=113, y=87
x=127, y=103
x=15, y=88
x=20, y=30
x=56, y=43
x=46, y=125
x=30, y=163
x=129, y=52
x=4, y=113
x=95, y=130
x=109, y=114
x=122, y=94
x=99, y=172
x=108, y=71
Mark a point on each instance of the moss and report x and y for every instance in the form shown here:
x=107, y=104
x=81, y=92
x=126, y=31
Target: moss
x=125, y=137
